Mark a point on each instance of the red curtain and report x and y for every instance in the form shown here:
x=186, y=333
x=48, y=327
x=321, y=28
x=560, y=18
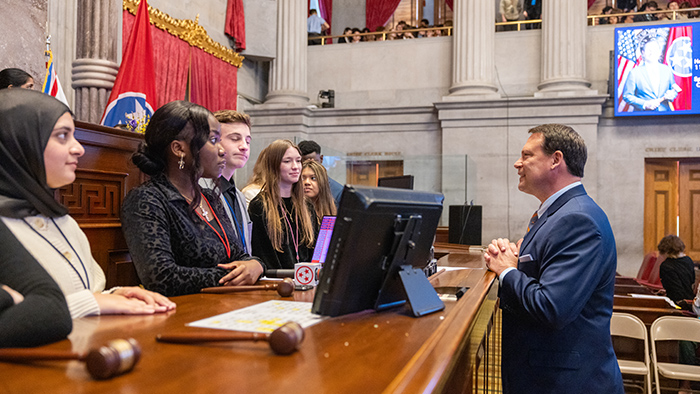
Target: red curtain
x=235, y=23
x=451, y=2
x=326, y=11
x=213, y=82
x=171, y=56
x=378, y=12
x=590, y=3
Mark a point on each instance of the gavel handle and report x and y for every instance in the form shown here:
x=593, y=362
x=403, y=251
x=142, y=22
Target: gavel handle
x=236, y=289
x=197, y=337
x=38, y=354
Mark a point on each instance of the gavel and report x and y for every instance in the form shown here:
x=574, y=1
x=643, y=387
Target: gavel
x=284, y=340
x=285, y=288
x=118, y=356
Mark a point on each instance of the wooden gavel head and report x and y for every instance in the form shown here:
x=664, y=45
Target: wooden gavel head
x=285, y=288
x=115, y=358
x=286, y=338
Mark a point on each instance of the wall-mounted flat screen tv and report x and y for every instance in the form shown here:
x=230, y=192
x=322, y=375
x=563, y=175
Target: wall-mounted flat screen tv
x=657, y=70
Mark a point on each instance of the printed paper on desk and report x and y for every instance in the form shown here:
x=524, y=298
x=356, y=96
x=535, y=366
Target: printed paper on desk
x=264, y=317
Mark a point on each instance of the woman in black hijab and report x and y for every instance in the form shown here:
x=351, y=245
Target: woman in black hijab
x=38, y=154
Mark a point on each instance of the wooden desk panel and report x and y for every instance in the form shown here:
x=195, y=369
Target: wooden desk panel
x=367, y=352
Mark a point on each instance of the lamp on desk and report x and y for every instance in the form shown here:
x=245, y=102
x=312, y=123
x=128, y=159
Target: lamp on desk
x=327, y=94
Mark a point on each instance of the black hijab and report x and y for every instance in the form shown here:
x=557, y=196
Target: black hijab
x=27, y=119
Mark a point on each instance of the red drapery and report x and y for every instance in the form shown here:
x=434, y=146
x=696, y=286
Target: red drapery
x=379, y=11
x=590, y=3
x=326, y=11
x=171, y=56
x=213, y=82
x=450, y=3
x=235, y=23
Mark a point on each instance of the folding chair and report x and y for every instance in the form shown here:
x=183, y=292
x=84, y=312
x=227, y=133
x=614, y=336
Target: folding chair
x=630, y=326
x=674, y=328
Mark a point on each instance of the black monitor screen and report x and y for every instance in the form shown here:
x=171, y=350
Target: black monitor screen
x=377, y=232
x=656, y=70
x=398, y=182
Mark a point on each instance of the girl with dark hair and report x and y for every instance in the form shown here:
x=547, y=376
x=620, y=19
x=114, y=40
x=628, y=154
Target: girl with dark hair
x=15, y=78
x=38, y=154
x=317, y=189
x=178, y=234
x=284, y=225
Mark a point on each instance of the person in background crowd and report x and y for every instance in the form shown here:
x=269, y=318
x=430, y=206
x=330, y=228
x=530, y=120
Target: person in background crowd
x=317, y=190
x=356, y=37
x=40, y=155
x=648, y=6
x=256, y=180
x=235, y=138
x=310, y=150
x=15, y=78
x=177, y=232
x=346, y=39
x=315, y=26
x=284, y=223
x=677, y=271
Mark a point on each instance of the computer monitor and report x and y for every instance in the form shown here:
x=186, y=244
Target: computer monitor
x=397, y=182
x=380, y=243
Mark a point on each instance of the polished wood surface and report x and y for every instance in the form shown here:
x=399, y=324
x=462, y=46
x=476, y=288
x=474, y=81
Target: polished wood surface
x=366, y=352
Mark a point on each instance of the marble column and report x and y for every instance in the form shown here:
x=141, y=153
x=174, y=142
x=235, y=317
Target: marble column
x=62, y=26
x=473, y=51
x=97, y=52
x=288, y=70
x=564, y=49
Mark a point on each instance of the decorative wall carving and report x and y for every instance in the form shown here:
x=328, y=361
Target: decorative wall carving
x=187, y=30
x=95, y=196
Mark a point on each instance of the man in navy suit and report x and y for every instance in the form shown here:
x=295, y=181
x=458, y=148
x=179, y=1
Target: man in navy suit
x=557, y=283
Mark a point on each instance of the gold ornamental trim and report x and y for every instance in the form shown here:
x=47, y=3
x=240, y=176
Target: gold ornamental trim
x=189, y=31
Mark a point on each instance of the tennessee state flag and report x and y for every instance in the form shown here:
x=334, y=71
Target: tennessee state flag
x=134, y=93
x=52, y=86
x=679, y=56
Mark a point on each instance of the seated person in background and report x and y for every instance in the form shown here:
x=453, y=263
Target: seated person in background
x=684, y=5
x=677, y=271
x=310, y=150
x=283, y=222
x=317, y=189
x=379, y=36
x=33, y=310
x=369, y=37
x=356, y=37
x=614, y=19
x=235, y=139
x=648, y=6
x=605, y=11
x=255, y=183
x=346, y=39
x=15, y=78
x=177, y=233
x=39, y=131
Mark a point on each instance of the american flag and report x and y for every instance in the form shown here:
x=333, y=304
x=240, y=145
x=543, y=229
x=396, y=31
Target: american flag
x=629, y=56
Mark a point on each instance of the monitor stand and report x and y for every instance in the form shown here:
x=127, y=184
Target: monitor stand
x=403, y=282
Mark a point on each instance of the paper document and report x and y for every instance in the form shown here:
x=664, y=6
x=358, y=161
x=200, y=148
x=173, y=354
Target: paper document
x=264, y=317
x=673, y=304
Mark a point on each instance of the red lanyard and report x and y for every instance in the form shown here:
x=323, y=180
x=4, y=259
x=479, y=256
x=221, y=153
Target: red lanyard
x=295, y=241
x=227, y=246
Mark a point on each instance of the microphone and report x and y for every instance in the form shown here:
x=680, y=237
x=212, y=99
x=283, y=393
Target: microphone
x=118, y=356
x=466, y=220
x=279, y=273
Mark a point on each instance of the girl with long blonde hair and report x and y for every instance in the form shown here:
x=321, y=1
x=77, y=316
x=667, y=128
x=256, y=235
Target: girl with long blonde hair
x=284, y=224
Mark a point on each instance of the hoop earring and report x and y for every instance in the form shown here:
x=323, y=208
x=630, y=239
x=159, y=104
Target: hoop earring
x=181, y=163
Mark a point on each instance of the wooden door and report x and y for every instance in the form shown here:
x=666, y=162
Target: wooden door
x=689, y=206
x=368, y=172
x=660, y=201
